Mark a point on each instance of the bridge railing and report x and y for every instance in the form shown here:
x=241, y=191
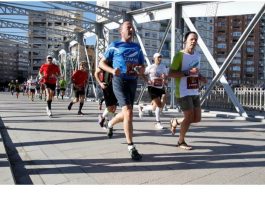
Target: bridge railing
x=252, y=99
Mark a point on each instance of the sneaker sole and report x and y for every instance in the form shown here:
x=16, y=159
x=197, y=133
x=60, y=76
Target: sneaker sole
x=110, y=135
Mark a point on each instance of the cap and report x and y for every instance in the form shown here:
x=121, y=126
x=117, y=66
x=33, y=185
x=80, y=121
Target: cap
x=49, y=56
x=157, y=55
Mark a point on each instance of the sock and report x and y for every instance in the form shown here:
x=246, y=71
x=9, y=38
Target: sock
x=49, y=103
x=105, y=113
x=148, y=108
x=110, y=125
x=81, y=106
x=157, y=113
x=130, y=146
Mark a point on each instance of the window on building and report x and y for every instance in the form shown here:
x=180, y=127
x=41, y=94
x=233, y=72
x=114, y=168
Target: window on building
x=147, y=42
x=249, y=62
x=154, y=35
x=154, y=44
x=135, y=5
x=236, y=68
x=221, y=45
x=236, y=34
x=147, y=34
x=251, y=50
x=250, y=69
x=236, y=75
x=221, y=38
x=236, y=61
x=221, y=24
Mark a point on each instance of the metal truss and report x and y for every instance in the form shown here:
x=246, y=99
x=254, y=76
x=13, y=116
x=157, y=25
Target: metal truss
x=13, y=10
x=112, y=15
x=13, y=37
x=23, y=26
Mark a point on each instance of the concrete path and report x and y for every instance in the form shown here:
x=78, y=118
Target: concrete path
x=72, y=149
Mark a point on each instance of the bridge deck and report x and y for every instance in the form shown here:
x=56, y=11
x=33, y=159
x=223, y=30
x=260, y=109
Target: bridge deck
x=72, y=149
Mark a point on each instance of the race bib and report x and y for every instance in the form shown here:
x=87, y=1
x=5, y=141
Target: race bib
x=192, y=82
x=158, y=82
x=131, y=70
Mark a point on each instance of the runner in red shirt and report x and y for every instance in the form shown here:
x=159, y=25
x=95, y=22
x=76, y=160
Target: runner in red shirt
x=79, y=79
x=49, y=73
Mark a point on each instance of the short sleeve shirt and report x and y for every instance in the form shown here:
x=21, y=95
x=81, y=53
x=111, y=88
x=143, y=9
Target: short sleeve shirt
x=49, y=72
x=80, y=78
x=181, y=62
x=155, y=72
x=125, y=56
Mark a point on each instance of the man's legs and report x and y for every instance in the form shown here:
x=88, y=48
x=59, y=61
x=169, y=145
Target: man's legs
x=192, y=114
x=49, y=96
x=82, y=98
x=125, y=92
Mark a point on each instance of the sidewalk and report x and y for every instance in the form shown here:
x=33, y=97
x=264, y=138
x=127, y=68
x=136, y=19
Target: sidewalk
x=72, y=149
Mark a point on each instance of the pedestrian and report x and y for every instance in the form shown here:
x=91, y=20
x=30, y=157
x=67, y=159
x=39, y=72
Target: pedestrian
x=128, y=62
x=11, y=87
x=62, y=83
x=32, y=84
x=49, y=74
x=17, y=87
x=185, y=69
x=157, y=76
x=58, y=89
x=42, y=89
x=79, y=79
x=104, y=80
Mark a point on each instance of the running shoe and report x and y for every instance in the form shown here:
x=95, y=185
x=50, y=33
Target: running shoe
x=70, y=106
x=80, y=113
x=135, y=155
x=159, y=126
x=101, y=121
x=110, y=132
x=141, y=113
x=49, y=112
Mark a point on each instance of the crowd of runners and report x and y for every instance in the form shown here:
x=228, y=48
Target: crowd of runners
x=116, y=74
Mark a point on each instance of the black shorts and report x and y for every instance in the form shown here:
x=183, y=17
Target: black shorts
x=110, y=98
x=32, y=90
x=79, y=92
x=62, y=89
x=155, y=92
x=50, y=86
x=17, y=90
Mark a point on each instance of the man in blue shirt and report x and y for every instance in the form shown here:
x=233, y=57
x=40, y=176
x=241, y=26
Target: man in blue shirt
x=127, y=64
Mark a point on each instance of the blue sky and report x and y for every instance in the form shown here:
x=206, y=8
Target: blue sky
x=38, y=6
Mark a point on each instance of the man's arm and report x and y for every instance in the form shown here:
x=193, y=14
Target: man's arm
x=96, y=74
x=103, y=64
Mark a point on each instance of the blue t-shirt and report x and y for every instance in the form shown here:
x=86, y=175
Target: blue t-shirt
x=125, y=56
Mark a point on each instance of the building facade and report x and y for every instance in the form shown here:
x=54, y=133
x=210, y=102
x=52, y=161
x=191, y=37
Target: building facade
x=45, y=42
x=15, y=67
x=247, y=67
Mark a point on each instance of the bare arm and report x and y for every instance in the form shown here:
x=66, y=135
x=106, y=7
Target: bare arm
x=179, y=74
x=96, y=74
x=103, y=64
x=97, y=71
x=175, y=74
